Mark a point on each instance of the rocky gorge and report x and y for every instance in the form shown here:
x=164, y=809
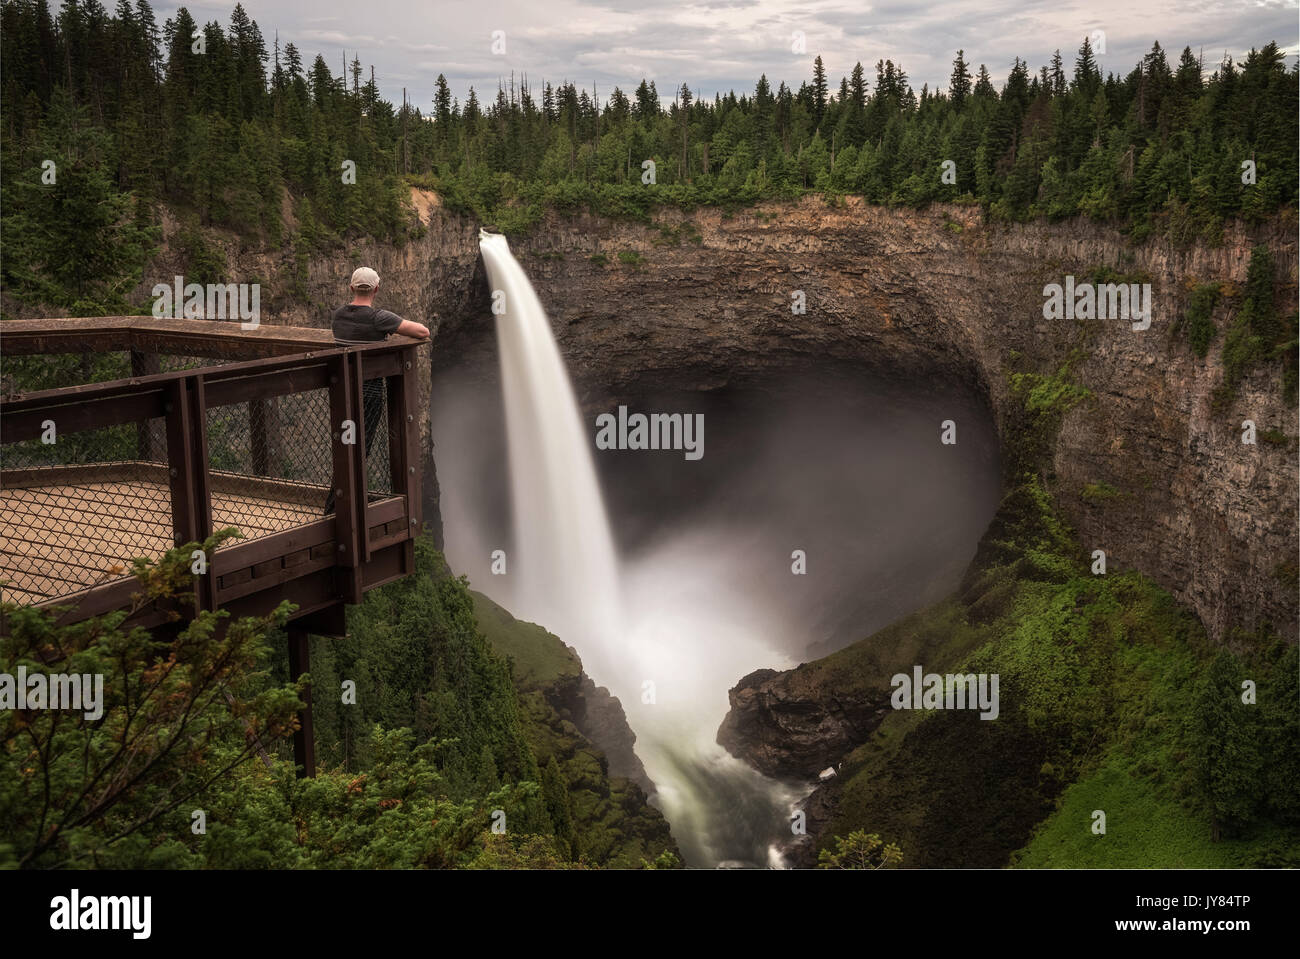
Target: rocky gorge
x=696, y=301
x=1149, y=466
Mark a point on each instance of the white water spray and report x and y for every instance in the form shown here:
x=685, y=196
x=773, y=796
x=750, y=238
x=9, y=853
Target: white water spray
x=681, y=636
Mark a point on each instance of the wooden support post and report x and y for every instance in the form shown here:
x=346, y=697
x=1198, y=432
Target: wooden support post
x=361, y=461
x=187, y=462
x=206, y=585
x=411, y=436
x=304, y=740
x=180, y=463
x=347, y=522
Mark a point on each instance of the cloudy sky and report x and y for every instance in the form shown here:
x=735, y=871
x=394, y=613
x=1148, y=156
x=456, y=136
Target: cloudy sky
x=721, y=45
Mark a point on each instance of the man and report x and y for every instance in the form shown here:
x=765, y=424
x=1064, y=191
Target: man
x=360, y=322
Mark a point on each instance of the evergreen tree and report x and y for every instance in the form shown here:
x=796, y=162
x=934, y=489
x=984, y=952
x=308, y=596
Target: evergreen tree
x=959, y=84
x=1087, y=76
x=559, y=807
x=1227, y=749
x=75, y=242
x=819, y=91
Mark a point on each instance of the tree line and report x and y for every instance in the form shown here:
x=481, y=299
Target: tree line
x=216, y=123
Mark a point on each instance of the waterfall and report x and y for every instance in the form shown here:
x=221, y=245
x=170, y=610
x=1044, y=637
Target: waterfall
x=668, y=647
x=565, y=572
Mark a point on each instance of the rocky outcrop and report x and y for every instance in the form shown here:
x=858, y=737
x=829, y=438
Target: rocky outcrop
x=599, y=716
x=544, y=665
x=790, y=729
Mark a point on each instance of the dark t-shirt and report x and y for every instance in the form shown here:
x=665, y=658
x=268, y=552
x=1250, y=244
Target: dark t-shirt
x=363, y=324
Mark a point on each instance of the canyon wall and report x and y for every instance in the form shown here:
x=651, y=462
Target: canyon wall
x=702, y=300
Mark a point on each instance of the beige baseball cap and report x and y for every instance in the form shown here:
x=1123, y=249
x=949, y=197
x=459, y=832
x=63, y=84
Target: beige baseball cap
x=365, y=278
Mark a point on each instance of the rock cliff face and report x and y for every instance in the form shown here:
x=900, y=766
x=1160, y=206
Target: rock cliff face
x=703, y=300
x=918, y=296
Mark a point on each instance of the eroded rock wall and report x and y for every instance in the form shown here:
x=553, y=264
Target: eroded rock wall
x=702, y=300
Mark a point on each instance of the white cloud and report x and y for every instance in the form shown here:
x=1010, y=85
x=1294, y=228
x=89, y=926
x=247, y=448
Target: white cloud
x=719, y=45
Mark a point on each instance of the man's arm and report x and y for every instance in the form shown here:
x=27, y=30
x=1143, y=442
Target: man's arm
x=414, y=330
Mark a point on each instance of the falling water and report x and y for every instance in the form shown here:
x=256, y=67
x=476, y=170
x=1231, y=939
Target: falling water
x=664, y=639
x=565, y=573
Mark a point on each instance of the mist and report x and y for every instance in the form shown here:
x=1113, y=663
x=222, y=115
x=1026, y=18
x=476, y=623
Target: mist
x=848, y=469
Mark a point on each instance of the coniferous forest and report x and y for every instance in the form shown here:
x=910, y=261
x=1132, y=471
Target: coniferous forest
x=139, y=119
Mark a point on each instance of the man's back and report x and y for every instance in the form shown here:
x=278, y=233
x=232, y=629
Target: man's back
x=356, y=323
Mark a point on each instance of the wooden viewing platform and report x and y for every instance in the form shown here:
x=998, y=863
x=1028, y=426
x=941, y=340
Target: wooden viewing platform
x=251, y=434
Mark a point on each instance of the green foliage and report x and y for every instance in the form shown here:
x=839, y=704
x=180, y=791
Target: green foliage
x=613, y=825
x=555, y=793
x=179, y=715
x=1197, y=321
x=1157, y=149
x=185, y=710
x=457, y=670
x=1257, y=332
x=537, y=658
x=665, y=860
x=205, y=259
x=860, y=850
x=1226, y=738
x=1110, y=699
x=1098, y=493
x=1044, y=399
x=415, y=650
x=78, y=242
x=395, y=815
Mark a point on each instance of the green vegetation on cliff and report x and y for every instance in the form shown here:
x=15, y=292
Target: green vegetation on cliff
x=458, y=670
x=613, y=823
x=414, y=773
x=1111, y=699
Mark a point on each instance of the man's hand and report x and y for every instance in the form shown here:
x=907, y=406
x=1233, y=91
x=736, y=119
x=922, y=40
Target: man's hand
x=417, y=331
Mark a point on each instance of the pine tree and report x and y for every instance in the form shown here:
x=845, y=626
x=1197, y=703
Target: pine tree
x=959, y=84
x=74, y=243
x=1087, y=76
x=559, y=807
x=819, y=91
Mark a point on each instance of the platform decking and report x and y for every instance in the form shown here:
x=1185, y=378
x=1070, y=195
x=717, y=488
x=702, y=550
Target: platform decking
x=58, y=539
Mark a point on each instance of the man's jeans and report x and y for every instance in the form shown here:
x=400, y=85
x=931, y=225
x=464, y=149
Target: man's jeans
x=372, y=394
